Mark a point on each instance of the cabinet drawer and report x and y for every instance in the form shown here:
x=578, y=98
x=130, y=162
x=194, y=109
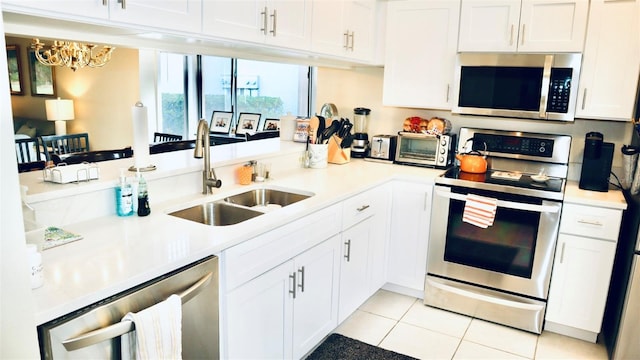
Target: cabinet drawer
x=363, y=205
x=256, y=256
x=591, y=221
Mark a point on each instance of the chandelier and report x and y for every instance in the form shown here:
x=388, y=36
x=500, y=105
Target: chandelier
x=71, y=54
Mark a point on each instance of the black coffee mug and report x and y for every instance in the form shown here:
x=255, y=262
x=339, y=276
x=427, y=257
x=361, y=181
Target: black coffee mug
x=593, y=145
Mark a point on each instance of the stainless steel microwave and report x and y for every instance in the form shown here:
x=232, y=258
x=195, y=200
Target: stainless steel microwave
x=533, y=86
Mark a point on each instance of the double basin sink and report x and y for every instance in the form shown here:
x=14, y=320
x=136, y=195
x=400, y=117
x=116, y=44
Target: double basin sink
x=235, y=209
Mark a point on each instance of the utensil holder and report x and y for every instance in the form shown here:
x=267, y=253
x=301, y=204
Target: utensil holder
x=336, y=154
x=318, y=156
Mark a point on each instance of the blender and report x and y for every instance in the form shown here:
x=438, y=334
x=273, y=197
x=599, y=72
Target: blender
x=360, y=145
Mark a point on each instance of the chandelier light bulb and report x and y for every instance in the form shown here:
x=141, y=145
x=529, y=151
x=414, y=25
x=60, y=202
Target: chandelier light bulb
x=71, y=54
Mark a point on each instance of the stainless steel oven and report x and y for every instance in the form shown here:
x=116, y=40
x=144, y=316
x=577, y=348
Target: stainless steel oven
x=500, y=273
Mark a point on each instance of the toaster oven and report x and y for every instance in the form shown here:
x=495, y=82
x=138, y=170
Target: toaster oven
x=425, y=149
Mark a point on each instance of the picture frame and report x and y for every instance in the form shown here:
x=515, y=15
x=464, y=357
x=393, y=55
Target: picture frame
x=43, y=81
x=271, y=125
x=220, y=122
x=248, y=123
x=15, y=71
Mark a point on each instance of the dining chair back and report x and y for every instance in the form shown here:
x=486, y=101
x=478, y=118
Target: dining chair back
x=65, y=144
x=164, y=137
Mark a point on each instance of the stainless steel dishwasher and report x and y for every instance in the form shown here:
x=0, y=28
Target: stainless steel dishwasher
x=95, y=331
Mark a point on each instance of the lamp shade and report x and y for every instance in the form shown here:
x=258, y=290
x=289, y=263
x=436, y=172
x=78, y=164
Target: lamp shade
x=59, y=109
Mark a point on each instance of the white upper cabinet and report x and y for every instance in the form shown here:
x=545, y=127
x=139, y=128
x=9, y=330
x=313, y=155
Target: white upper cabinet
x=276, y=22
x=97, y=9
x=526, y=26
x=344, y=28
x=182, y=15
x=610, y=62
x=419, y=73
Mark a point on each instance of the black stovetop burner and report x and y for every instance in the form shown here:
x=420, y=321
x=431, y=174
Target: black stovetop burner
x=506, y=178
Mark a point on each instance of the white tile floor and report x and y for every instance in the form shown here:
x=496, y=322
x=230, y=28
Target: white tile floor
x=405, y=325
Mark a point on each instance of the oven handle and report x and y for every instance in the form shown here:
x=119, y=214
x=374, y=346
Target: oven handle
x=95, y=336
x=507, y=204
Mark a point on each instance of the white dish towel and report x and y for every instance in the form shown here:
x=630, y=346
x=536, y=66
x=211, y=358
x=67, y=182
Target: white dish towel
x=158, y=332
x=479, y=210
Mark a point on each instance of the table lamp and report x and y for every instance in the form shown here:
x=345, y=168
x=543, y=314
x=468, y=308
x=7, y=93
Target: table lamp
x=59, y=110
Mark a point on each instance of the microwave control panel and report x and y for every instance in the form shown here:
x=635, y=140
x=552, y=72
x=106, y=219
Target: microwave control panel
x=559, y=90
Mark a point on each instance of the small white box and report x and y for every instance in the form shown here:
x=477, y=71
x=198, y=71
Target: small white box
x=63, y=173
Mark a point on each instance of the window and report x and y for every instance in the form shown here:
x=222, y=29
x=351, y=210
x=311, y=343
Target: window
x=225, y=84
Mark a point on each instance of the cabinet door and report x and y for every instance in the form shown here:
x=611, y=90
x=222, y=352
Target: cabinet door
x=259, y=316
x=580, y=282
x=420, y=73
x=552, y=25
x=610, y=62
x=490, y=25
x=316, y=303
x=235, y=19
x=360, y=19
x=183, y=15
x=328, y=34
x=410, y=213
x=354, y=288
x=86, y=8
x=289, y=23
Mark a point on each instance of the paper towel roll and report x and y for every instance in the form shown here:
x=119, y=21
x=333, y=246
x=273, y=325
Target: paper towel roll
x=141, y=157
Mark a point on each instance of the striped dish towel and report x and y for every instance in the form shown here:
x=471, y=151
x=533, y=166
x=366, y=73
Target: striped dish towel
x=158, y=332
x=479, y=210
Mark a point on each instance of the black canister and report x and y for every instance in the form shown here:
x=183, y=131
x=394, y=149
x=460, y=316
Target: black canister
x=593, y=145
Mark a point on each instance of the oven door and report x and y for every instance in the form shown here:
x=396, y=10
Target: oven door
x=514, y=255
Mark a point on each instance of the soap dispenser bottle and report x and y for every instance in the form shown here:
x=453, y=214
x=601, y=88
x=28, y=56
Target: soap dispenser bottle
x=143, y=197
x=124, y=196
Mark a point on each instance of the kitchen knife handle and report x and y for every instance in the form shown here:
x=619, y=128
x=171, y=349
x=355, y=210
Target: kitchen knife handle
x=301, y=285
x=347, y=254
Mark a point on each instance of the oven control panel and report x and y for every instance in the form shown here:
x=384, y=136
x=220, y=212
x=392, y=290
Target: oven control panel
x=514, y=144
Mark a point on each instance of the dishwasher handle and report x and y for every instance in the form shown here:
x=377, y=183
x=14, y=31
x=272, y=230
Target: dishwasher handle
x=118, y=329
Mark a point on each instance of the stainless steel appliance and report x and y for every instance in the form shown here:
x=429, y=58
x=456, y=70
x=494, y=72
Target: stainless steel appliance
x=360, y=145
x=383, y=148
x=536, y=86
x=596, y=163
x=425, y=149
x=94, y=332
x=500, y=273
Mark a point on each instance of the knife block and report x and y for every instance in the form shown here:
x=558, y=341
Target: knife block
x=338, y=155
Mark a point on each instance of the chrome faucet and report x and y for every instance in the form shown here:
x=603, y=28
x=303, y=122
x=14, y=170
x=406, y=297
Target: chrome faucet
x=209, y=179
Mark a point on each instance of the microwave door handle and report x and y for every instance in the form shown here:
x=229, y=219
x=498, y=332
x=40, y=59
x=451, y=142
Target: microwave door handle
x=506, y=204
x=546, y=80
x=120, y=328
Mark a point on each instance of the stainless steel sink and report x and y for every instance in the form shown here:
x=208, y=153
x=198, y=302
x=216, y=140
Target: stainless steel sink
x=266, y=198
x=237, y=208
x=216, y=213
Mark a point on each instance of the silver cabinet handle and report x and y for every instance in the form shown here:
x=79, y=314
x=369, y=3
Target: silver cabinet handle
x=274, y=20
x=352, y=36
x=105, y=2
x=301, y=285
x=264, y=21
x=346, y=40
x=363, y=208
x=448, y=90
x=522, y=35
x=123, y=4
x=123, y=327
x=584, y=98
x=347, y=254
x=590, y=222
x=292, y=290
x=511, y=35
x=562, y=252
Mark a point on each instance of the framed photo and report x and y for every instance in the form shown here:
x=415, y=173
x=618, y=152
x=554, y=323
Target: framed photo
x=220, y=122
x=43, y=82
x=271, y=125
x=15, y=73
x=248, y=123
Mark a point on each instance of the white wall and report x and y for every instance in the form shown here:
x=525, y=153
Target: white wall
x=362, y=87
x=18, y=339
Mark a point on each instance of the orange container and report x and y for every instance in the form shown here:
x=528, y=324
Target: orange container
x=244, y=174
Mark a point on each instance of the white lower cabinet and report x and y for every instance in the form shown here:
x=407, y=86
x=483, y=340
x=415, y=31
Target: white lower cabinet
x=409, y=240
x=582, y=270
x=354, y=285
x=286, y=311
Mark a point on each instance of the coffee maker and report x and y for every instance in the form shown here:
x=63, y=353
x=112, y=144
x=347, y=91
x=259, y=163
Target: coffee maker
x=596, y=163
x=360, y=145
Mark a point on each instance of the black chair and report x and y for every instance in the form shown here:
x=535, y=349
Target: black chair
x=64, y=144
x=163, y=137
x=93, y=156
x=171, y=146
x=28, y=150
x=31, y=166
x=263, y=135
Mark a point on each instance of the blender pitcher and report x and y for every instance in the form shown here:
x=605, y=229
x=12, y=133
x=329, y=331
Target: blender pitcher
x=360, y=145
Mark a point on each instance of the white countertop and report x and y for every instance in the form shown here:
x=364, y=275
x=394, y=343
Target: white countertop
x=119, y=253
